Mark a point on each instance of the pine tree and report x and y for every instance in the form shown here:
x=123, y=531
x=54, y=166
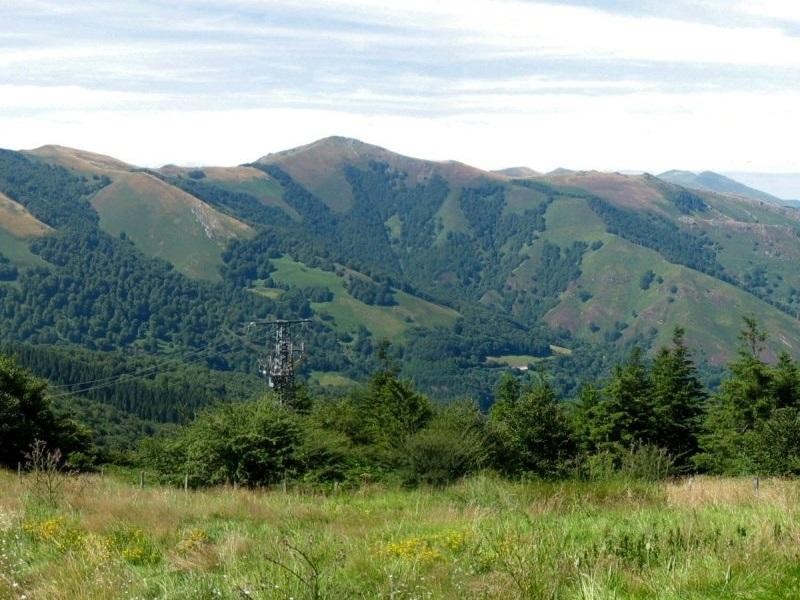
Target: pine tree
x=677, y=399
x=531, y=434
x=745, y=401
x=624, y=415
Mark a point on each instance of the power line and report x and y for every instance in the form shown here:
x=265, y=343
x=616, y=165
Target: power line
x=128, y=377
x=142, y=372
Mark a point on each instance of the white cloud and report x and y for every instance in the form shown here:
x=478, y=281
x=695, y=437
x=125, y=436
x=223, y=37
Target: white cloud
x=71, y=97
x=650, y=131
x=520, y=28
x=490, y=82
x=788, y=10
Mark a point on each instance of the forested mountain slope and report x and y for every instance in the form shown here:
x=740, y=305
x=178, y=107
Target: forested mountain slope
x=462, y=269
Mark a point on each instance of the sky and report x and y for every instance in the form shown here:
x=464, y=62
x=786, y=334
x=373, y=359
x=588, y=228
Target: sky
x=609, y=85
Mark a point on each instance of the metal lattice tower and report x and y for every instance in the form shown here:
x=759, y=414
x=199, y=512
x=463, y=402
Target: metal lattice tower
x=277, y=364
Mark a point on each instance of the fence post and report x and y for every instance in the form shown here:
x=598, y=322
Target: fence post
x=141, y=480
x=186, y=483
x=19, y=470
x=756, y=484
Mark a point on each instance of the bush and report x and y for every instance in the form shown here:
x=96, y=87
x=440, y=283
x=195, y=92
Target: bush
x=252, y=443
x=453, y=445
x=642, y=462
x=530, y=434
x=647, y=463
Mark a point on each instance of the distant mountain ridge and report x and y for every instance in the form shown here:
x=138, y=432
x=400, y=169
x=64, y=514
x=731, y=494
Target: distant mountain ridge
x=714, y=182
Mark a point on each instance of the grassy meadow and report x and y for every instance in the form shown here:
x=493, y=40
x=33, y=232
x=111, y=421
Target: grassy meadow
x=348, y=313
x=103, y=537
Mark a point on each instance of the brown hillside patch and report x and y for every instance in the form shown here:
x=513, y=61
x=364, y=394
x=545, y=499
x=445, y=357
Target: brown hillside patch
x=626, y=191
x=234, y=174
x=17, y=221
x=221, y=174
x=319, y=167
x=518, y=172
x=80, y=160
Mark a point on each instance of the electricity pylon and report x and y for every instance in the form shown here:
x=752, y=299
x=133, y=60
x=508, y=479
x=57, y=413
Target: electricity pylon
x=277, y=364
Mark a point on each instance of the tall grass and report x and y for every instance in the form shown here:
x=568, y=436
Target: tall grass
x=482, y=538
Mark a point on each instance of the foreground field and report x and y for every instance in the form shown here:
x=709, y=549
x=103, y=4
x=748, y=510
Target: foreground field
x=102, y=537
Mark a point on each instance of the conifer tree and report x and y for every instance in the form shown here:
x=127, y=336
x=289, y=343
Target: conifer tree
x=624, y=414
x=531, y=434
x=677, y=399
x=745, y=402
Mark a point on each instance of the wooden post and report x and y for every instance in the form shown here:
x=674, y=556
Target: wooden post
x=756, y=484
x=19, y=470
x=141, y=480
x=186, y=483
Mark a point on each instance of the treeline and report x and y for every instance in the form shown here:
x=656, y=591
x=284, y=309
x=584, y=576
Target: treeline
x=649, y=418
x=657, y=233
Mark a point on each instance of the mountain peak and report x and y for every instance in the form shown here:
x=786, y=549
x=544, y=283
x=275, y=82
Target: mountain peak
x=79, y=160
x=320, y=167
x=518, y=172
x=331, y=145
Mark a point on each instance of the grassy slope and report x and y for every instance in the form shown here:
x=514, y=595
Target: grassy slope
x=163, y=221
x=17, y=227
x=482, y=538
x=246, y=180
x=17, y=221
x=753, y=234
x=348, y=313
x=88, y=163
x=167, y=223
x=709, y=309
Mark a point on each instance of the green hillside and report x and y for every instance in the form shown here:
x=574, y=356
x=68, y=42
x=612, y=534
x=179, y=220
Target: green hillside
x=162, y=220
x=348, y=313
x=166, y=223
x=465, y=271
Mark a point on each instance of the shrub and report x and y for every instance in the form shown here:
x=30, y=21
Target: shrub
x=454, y=444
x=253, y=443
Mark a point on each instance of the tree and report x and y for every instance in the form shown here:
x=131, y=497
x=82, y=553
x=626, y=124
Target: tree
x=755, y=401
x=624, y=413
x=531, y=434
x=27, y=417
x=677, y=399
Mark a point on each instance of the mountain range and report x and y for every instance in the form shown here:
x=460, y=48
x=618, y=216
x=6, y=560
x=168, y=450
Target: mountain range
x=463, y=270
